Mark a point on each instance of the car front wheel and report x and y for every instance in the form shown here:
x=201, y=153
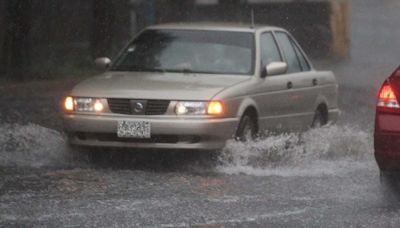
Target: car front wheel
x=247, y=129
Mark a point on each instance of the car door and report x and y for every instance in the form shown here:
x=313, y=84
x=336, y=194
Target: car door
x=301, y=83
x=271, y=92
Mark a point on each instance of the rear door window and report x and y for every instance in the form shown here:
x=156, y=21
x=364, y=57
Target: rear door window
x=305, y=66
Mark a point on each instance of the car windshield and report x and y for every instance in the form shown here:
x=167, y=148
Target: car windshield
x=189, y=51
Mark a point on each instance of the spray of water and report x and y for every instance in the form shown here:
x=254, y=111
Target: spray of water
x=31, y=146
x=316, y=152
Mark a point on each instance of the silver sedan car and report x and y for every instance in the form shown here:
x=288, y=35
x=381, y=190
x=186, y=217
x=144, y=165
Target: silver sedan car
x=194, y=86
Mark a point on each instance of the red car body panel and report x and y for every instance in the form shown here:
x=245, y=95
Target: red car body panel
x=387, y=130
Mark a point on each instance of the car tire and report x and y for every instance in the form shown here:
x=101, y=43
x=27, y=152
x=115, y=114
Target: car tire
x=390, y=186
x=384, y=177
x=247, y=129
x=320, y=119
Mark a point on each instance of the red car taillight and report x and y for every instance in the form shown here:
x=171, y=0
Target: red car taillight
x=387, y=100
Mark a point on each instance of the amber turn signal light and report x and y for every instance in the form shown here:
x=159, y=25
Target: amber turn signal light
x=69, y=104
x=215, y=108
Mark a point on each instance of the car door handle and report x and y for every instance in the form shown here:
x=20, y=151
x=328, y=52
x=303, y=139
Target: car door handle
x=289, y=85
x=315, y=82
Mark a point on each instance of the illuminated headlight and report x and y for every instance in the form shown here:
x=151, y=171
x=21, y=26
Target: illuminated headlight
x=199, y=108
x=84, y=104
x=191, y=108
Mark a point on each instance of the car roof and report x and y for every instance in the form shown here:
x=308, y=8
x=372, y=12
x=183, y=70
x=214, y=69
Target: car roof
x=234, y=27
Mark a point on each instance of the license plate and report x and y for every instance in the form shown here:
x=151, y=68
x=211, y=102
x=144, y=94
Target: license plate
x=134, y=129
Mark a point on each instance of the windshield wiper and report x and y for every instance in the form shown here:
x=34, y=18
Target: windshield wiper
x=186, y=70
x=136, y=68
x=182, y=70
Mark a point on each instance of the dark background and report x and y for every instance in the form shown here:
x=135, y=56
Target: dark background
x=61, y=38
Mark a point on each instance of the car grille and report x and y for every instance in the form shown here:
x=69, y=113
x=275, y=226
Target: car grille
x=156, y=107
x=123, y=106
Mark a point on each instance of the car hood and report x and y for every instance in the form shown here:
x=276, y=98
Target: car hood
x=170, y=86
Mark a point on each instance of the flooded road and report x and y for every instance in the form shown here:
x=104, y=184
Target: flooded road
x=327, y=178
x=322, y=178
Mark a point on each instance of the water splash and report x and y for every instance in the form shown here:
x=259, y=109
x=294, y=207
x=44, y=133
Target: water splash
x=327, y=150
x=31, y=146
x=318, y=151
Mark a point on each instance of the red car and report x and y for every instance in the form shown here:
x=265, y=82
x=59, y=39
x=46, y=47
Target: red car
x=387, y=125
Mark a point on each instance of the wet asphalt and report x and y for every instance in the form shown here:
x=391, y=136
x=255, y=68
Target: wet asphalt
x=349, y=194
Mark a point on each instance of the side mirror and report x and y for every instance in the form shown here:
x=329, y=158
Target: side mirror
x=275, y=68
x=102, y=63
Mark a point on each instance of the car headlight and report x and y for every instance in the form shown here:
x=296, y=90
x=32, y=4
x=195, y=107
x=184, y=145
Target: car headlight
x=199, y=108
x=84, y=104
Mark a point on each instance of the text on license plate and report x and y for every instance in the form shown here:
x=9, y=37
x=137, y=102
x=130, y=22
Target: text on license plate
x=134, y=129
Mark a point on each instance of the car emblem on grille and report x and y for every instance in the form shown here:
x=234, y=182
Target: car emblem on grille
x=138, y=107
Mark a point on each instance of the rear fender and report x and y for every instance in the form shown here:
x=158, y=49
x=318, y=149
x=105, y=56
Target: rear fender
x=320, y=100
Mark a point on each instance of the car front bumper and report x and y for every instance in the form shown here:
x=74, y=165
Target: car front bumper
x=167, y=132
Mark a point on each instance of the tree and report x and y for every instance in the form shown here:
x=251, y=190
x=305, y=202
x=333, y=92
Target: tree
x=145, y=13
x=111, y=26
x=16, y=48
x=102, y=33
x=230, y=10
